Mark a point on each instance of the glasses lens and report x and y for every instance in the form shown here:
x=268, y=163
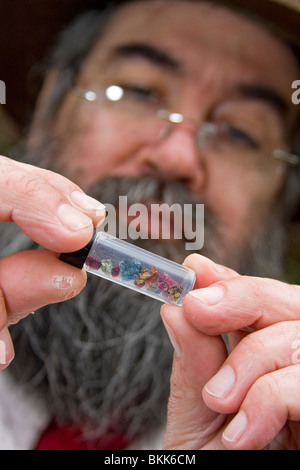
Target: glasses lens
x=137, y=107
x=140, y=112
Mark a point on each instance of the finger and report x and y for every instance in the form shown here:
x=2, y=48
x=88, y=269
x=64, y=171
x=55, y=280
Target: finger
x=6, y=346
x=7, y=352
x=190, y=423
x=32, y=279
x=258, y=354
x=84, y=203
x=271, y=401
x=49, y=209
x=207, y=272
x=239, y=302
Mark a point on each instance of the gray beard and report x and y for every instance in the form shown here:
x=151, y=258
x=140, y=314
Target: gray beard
x=103, y=359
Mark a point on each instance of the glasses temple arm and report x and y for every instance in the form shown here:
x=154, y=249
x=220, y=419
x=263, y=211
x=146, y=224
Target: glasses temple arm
x=288, y=157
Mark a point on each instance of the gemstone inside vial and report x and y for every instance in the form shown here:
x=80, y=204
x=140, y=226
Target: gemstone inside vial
x=121, y=262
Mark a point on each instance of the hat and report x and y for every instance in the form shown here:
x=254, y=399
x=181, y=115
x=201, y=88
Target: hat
x=29, y=28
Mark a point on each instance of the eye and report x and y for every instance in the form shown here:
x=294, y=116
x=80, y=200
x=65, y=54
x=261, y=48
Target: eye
x=239, y=137
x=140, y=92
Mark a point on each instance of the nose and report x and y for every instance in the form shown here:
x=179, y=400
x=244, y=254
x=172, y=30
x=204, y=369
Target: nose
x=176, y=157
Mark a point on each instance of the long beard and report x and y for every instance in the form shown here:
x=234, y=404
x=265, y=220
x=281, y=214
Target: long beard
x=103, y=359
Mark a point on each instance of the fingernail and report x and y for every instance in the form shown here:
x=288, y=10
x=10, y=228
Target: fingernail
x=87, y=203
x=6, y=347
x=72, y=218
x=209, y=295
x=222, y=383
x=174, y=342
x=236, y=428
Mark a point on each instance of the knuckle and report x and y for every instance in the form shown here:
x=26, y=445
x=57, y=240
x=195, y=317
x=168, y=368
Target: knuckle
x=32, y=186
x=177, y=391
x=255, y=342
x=267, y=386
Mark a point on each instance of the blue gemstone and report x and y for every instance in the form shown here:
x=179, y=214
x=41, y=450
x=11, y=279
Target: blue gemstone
x=129, y=269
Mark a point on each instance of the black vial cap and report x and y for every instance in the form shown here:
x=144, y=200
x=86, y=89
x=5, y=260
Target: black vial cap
x=77, y=258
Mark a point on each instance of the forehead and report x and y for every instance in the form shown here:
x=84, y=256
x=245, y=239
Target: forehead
x=198, y=35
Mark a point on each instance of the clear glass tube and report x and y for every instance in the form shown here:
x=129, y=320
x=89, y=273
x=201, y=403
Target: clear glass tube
x=138, y=269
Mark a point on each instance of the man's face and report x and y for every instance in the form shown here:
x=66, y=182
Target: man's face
x=208, y=64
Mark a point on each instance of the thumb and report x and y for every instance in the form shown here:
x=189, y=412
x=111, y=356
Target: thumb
x=191, y=424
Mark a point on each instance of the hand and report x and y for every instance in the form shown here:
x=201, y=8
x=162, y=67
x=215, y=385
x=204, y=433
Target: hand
x=56, y=214
x=248, y=399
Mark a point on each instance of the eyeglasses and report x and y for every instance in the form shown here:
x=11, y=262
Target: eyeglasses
x=138, y=109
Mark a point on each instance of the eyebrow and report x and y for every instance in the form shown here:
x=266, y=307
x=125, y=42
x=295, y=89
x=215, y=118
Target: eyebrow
x=151, y=53
x=265, y=94
x=160, y=58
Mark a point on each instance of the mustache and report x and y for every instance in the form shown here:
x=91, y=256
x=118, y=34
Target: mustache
x=141, y=190
x=188, y=220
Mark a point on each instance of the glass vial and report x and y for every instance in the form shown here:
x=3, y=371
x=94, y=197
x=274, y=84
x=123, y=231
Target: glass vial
x=133, y=267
